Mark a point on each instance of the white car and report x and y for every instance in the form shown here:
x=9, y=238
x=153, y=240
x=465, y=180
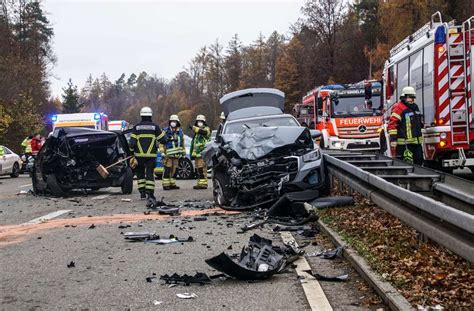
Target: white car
x=10, y=163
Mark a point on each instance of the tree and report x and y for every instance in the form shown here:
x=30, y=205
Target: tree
x=71, y=102
x=233, y=64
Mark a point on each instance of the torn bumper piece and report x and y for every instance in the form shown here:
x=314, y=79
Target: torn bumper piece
x=198, y=278
x=259, y=261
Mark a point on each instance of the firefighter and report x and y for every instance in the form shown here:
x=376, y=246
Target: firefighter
x=35, y=144
x=405, y=127
x=202, y=135
x=26, y=143
x=2, y=151
x=171, y=152
x=143, y=145
x=221, y=125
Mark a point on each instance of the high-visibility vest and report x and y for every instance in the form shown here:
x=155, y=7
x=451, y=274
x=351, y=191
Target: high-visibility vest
x=144, y=139
x=175, y=145
x=26, y=143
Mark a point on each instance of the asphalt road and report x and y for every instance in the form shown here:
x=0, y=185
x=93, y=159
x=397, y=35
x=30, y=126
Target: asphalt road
x=110, y=273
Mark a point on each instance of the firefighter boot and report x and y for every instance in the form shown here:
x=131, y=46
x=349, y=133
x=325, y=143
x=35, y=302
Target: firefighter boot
x=142, y=195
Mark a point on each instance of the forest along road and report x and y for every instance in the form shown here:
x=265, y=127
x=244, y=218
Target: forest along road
x=40, y=237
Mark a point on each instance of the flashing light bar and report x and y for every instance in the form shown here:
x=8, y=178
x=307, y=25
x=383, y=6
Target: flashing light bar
x=54, y=118
x=97, y=116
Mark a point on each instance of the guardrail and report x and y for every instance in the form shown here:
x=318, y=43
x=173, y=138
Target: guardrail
x=438, y=205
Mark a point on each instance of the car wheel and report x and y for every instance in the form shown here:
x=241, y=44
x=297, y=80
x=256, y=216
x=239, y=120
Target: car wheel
x=222, y=193
x=16, y=170
x=185, y=169
x=54, y=187
x=127, y=184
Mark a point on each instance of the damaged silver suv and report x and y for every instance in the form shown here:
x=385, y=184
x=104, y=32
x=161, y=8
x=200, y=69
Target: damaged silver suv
x=262, y=152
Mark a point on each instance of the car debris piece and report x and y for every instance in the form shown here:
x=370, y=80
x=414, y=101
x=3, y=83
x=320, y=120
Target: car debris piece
x=198, y=278
x=170, y=240
x=200, y=218
x=186, y=295
x=70, y=155
x=429, y=308
x=320, y=277
x=126, y=200
x=168, y=210
x=72, y=264
x=336, y=201
x=331, y=254
x=23, y=192
x=258, y=261
x=157, y=303
x=140, y=236
x=92, y=226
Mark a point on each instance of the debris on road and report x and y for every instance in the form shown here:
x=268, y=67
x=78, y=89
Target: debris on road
x=336, y=201
x=320, y=277
x=259, y=260
x=129, y=201
x=170, y=240
x=168, y=210
x=23, y=192
x=200, y=218
x=72, y=264
x=157, y=303
x=92, y=226
x=186, y=295
x=140, y=236
x=330, y=254
x=198, y=278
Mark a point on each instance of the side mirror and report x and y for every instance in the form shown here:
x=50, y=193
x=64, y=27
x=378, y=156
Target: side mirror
x=315, y=133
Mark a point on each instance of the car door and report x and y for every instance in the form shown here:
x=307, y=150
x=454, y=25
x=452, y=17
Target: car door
x=3, y=160
x=8, y=158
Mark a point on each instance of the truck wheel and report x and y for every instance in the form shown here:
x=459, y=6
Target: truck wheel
x=127, y=183
x=54, y=187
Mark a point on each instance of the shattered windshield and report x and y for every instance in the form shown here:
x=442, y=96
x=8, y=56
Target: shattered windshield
x=240, y=126
x=355, y=106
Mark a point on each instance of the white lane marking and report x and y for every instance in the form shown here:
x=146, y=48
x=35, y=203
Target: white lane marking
x=46, y=217
x=24, y=186
x=317, y=300
x=101, y=197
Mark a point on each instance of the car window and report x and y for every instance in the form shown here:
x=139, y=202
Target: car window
x=239, y=126
x=7, y=151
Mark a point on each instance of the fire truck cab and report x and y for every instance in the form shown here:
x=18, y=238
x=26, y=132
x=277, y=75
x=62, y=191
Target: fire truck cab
x=348, y=116
x=437, y=61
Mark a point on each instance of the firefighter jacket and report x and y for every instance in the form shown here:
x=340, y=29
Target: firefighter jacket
x=201, y=137
x=35, y=146
x=174, y=147
x=405, y=124
x=2, y=151
x=144, y=139
x=26, y=143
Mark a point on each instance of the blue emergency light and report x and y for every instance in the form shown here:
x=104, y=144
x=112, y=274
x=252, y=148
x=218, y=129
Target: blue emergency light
x=54, y=118
x=440, y=35
x=97, y=116
x=124, y=124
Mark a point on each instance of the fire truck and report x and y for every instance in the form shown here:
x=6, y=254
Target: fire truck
x=437, y=61
x=348, y=116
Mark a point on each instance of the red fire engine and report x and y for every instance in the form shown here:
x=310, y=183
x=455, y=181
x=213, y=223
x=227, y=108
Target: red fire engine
x=436, y=61
x=348, y=116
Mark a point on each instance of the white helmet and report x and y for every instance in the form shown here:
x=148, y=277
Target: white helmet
x=174, y=117
x=201, y=117
x=408, y=91
x=222, y=116
x=146, y=112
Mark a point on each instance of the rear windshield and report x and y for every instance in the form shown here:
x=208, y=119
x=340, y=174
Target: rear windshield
x=239, y=126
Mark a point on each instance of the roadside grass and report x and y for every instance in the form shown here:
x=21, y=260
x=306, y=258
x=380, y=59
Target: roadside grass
x=423, y=271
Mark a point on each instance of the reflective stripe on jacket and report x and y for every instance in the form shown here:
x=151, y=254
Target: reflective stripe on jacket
x=405, y=124
x=144, y=139
x=200, y=139
x=174, y=147
x=26, y=143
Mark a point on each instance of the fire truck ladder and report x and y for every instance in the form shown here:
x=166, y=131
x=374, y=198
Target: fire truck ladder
x=469, y=41
x=456, y=53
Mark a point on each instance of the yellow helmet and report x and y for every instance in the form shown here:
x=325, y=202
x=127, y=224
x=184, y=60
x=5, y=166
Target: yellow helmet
x=201, y=117
x=174, y=117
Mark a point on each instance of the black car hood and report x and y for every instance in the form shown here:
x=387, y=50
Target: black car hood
x=258, y=142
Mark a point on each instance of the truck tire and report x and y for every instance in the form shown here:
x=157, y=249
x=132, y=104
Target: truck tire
x=54, y=187
x=127, y=183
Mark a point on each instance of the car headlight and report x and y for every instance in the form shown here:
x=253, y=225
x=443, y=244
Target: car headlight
x=311, y=156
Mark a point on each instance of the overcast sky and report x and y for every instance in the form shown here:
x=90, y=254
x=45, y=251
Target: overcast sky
x=159, y=37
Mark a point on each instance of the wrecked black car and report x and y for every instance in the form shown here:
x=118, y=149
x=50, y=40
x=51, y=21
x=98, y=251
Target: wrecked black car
x=262, y=152
x=70, y=159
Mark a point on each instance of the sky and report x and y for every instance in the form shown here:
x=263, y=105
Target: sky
x=159, y=37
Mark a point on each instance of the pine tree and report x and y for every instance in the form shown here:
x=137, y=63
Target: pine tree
x=71, y=102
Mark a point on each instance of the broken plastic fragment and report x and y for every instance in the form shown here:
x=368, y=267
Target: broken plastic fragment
x=320, y=277
x=336, y=201
x=187, y=295
x=198, y=278
x=157, y=303
x=167, y=210
x=72, y=264
x=331, y=254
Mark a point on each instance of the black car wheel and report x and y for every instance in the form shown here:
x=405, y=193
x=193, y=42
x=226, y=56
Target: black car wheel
x=185, y=169
x=222, y=194
x=54, y=187
x=16, y=170
x=127, y=183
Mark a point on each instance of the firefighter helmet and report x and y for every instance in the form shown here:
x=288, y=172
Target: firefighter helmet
x=408, y=91
x=146, y=112
x=174, y=117
x=222, y=116
x=201, y=117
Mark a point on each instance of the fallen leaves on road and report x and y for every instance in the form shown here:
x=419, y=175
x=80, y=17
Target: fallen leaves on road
x=424, y=272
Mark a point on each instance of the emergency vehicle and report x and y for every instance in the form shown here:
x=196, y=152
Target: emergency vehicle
x=93, y=120
x=119, y=125
x=348, y=116
x=437, y=61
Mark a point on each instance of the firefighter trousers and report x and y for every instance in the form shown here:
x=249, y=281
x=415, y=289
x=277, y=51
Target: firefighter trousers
x=169, y=173
x=201, y=172
x=411, y=153
x=145, y=175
